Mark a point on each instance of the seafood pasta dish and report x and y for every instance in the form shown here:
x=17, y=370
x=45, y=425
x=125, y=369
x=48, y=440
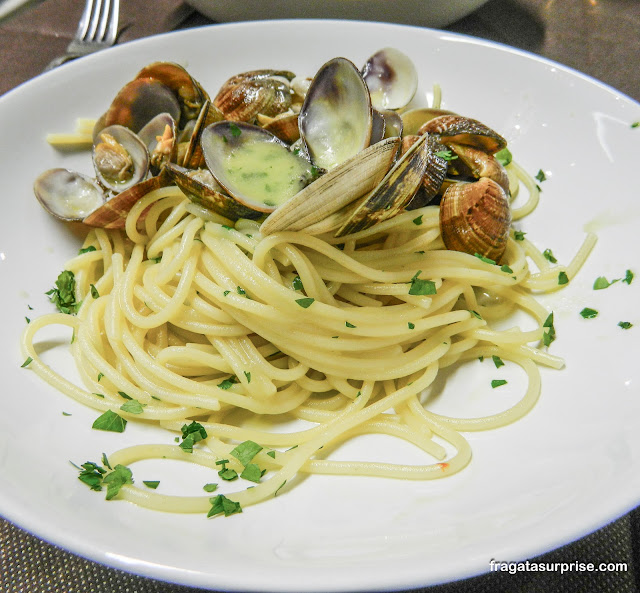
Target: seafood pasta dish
x=316, y=248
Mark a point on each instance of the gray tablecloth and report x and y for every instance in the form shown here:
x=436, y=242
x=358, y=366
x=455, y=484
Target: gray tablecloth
x=598, y=37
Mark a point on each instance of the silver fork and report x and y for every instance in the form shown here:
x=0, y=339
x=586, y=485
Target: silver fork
x=97, y=30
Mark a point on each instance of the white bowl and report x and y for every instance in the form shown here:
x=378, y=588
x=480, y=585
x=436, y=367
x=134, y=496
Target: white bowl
x=429, y=13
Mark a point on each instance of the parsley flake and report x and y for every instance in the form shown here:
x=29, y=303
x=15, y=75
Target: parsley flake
x=252, y=473
x=227, y=383
x=519, y=235
x=116, y=479
x=504, y=156
x=26, y=363
x=497, y=361
x=411, y=325
x=246, y=451
x=211, y=487
x=86, y=249
x=63, y=296
x=417, y=221
x=349, y=324
x=421, y=287
x=540, y=176
x=191, y=434
x=306, y=302
x=486, y=260
x=498, y=382
x=223, y=505
x=588, y=313
x=110, y=421
x=153, y=484
x=563, y=278
x=133, y=407
x=548, y=254
x=549, y=331
x=625, y=324
x=94, y=291
x=297, y=283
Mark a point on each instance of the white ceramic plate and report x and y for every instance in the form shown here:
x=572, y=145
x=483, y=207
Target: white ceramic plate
x=569, y=467
x=427, y=13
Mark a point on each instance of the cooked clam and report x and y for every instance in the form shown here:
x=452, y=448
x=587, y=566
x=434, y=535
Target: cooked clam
x=201, y=188
x=465, y=130
x=479, y=164
x=159, y=136
x=253, y=165
x=188, y=91
x=120, y=158
x=138, y=102
x=335, y=189
x=335, y=119
x=414, y=119
x=475, y=218
x=68, y=195
x=394, y=192
x=391, y=77
x=244, y=96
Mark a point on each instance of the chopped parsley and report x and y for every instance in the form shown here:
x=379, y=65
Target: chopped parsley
x=153, y=484
x=625, y=324
x=504, y=156
x=246, y=451
x=247, y=374
x=486, y=260
x=26, y=363
x=497, y=361
x=191, y=434
x=235, y=130
x=498, y=382
x=86, y=249
x=227, y=383
x=540, y=176
x=133, y=407
x=506, y=269
x=347, y=324
x=549, y=331
x=411, y=325
x=588, y=313
x=211, y=487
x=421, y=287
x=601, y=282
x=635, y=124
x=96, y=476
x=297, y=283
x=252, y=473
x=63, y=296
x=223, y=505
x=110, y=421
x=417, y=221
x=226, y=473
x=563, y=278
x=447, y=155
x=306, y=302
x=519, y=235
x=94, y=291
x=548, y=254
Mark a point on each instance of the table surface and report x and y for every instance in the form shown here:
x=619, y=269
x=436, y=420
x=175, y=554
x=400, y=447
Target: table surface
x=598, y=37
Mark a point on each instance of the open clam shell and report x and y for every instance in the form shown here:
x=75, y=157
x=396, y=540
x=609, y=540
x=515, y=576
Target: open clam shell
x=414, y=119
x=120, y=158
x=335, y=189
x=138, y=102
x=392, y=78
x=188, y=91
x=254, y=166
x=159, y=136
x=68, y=195
x=202, y=189
x=335, y=119
x=394, y=192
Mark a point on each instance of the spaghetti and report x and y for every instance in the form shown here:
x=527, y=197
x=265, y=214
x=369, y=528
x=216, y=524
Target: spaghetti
x=204, y=321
